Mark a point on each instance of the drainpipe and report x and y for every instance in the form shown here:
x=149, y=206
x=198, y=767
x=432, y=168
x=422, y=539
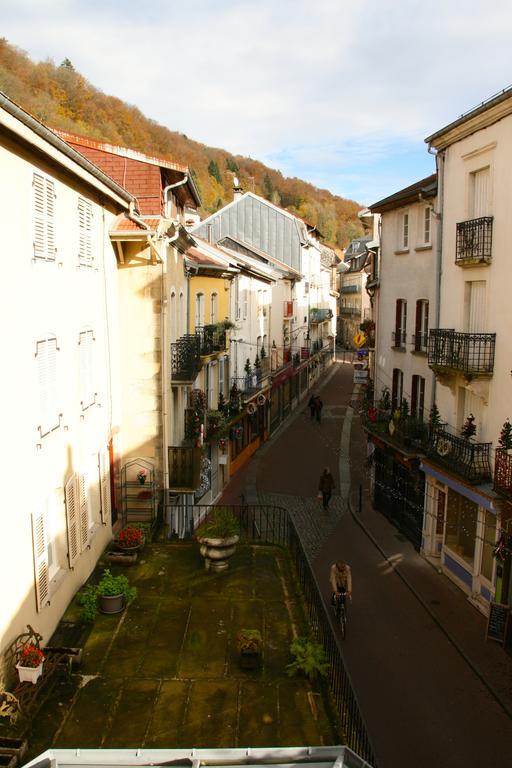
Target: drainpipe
x=173, y=186
x=438, y=215
x=133, y=217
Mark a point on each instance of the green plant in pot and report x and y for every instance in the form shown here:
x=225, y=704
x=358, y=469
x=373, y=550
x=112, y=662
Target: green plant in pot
x=310, y=658
x=110, y=595
x=218, y=537
x=249, y=643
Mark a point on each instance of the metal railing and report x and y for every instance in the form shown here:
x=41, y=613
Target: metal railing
x=212, y=338
x=273, y=525
x=319, y=314
x=474, y=241
x=420, y=342
x=350, y=310
x=469, y=353
x=250, y=383
x=185, y=362
x=467, y=457
x=350, y=289
x=502, y=471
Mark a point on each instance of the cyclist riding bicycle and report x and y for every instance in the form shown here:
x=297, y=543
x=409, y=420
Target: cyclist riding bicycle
x=340, y=578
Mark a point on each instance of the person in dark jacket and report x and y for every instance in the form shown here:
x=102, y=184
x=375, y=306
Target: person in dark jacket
x=312, y=406
x=318, y=408
x=326, y=486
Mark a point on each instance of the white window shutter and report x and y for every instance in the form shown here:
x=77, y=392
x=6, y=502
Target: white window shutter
x=84, y=231
x=47, y=379
x=83, y=510
x=39, y=217
x=50, y=219
x=87, y=393
x=106, y=503
x=42, y=579
x=72, y=520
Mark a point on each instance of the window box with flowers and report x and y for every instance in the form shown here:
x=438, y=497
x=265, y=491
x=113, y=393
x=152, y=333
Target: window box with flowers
x=30, y=663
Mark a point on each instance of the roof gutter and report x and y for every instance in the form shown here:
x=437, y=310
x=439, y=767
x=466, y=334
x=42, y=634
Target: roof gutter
x=55, y=141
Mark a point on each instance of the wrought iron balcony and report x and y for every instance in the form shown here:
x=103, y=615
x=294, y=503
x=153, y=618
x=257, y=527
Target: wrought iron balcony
x=249, y=384
x=350, y=311
x=466, y=457
x=212, y=339
x=319, y=314
x=185, y=360
x=469, y=353
x=502, y=471
x=409, y=433
x=350, y=289
x=474, y=242
x=399, y=339
x=420, y=342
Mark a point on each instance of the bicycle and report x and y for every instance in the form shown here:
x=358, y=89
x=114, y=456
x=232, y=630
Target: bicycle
x=340, y=611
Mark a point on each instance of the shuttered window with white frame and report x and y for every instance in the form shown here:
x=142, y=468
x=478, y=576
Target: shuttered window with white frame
x=106, y=501
x=46, y=356
x=85, y=255
x=44, y=217
x=40, y=549
x=83, y=507
x=72, y=520
x=87, y=369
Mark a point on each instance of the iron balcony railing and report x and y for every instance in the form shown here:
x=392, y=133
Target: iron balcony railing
x=399, y=339
x=319, y=315
x=249, y=384
x=502, y=471
x=420, y=342
x=274, y=525
x=350, y=289
x=410, y=432
x=468, y=353
x=474, y=242
x=350, y=310
x=466, y=457
x=185, y=360
x=212, y=339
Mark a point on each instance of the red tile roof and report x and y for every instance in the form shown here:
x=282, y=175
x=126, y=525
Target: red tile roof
x=124, y=224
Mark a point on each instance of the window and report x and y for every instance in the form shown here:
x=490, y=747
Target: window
x=427, y=218
x=488, y=545
x=172, y=317
x=40, y=551
x=237, y=299
x=87, y=373
x=400, y=323
x=245, y=303
x=213, y=308
x=85, y=257
x=44, y=217
x=397, y=389
x=460, y=533
x=418, y=397
x=199, y=310
x=78, y=515
x=421, y=329
x=404, y=232
x=46, y=355
x=181, y=317
x=222, y=365
x=479, y=193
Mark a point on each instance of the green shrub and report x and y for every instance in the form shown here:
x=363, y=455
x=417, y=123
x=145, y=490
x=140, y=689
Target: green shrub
x=220, y=524
x=108, y=586
x=310, y=658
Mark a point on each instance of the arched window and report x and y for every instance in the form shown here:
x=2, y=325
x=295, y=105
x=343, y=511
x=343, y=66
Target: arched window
x=174, y=331
x=199, y=318
x=213, y=308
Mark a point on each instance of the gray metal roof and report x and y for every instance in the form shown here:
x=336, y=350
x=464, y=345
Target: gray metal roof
x=357, y=247
x=251, y=219
x=278, y=757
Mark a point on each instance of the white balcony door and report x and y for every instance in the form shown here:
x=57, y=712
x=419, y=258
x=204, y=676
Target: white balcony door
x=199, y=309
x=475, y=306
x=479, y=202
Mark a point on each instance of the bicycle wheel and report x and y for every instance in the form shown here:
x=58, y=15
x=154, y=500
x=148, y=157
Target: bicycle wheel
x=343, y=621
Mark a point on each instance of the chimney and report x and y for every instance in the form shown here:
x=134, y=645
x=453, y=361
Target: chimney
x=237, y=189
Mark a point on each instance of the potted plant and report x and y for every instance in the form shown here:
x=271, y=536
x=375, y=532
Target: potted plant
x=130, y=539
x=111, y=595
x=141, y=475
x=30, y=663
x=249, y=643
x=218, y=537
x=310, y=658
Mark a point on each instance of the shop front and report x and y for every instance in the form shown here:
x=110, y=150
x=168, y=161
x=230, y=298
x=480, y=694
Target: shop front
x=248, y=432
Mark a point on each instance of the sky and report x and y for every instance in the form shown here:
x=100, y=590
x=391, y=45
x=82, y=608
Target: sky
x=340, y=93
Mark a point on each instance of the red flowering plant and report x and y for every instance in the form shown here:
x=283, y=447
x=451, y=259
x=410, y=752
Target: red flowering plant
x=130, y=537
x=30, y=656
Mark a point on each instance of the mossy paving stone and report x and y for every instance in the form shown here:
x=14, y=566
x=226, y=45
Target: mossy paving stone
x=278, y=637
x=49, y=718
x=133, y=712
x=297, y=724
x=164, y=643
x=87, y=721
x=130, y=643
x=98, y=642
x=206, y=639
x=267, y=576
x=212, y=714
x=165, y=728
x=259, y=720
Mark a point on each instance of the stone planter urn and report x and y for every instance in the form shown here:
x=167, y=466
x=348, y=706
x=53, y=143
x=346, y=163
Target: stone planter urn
x=217, y=551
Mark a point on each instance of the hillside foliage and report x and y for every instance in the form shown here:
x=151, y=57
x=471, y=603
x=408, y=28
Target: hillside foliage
x=61, y=98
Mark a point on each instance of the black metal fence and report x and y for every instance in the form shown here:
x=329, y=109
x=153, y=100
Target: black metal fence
x=474, y=241
x=212, y=338
x=185, y=362
x=469, y=353
x=467, y=457
x=273, y=525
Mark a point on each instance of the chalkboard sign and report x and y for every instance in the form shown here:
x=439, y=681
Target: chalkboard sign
x=497, y=623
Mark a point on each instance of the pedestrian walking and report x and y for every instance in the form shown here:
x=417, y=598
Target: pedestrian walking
x=312, y=406
x=325, y=487
x=318, y=408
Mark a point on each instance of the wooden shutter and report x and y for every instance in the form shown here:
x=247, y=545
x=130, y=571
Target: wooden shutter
x=44, y=217
x=421, y=397
x=87, y=394
x=72, y=520
x=414, y=396
x=106, y=503
x=83, y=510
x=398, y=320
x=50, y=219
x=47, y=376
x=481, y=196
x=394, y=389
x=417, y=326
x=84, y=231
x=41, y=575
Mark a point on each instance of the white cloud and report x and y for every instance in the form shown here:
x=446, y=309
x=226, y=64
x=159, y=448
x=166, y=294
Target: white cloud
x=309, y=82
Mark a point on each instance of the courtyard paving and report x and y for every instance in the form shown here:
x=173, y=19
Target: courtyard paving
x=165, y=672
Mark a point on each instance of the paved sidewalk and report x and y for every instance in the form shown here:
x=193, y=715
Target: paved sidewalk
x=427, y=681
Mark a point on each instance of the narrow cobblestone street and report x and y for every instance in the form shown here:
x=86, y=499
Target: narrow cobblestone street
x=428, y=684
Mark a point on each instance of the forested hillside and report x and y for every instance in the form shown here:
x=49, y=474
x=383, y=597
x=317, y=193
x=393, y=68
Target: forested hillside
x=61, y=98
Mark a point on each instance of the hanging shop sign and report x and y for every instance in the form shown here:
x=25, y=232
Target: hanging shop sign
x=360, y=373
x=359, y=339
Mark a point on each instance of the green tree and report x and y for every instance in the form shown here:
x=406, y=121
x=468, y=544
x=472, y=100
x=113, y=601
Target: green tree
x=505, y=439
x=232, y=166
x=213, y=170
x=268, y=187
